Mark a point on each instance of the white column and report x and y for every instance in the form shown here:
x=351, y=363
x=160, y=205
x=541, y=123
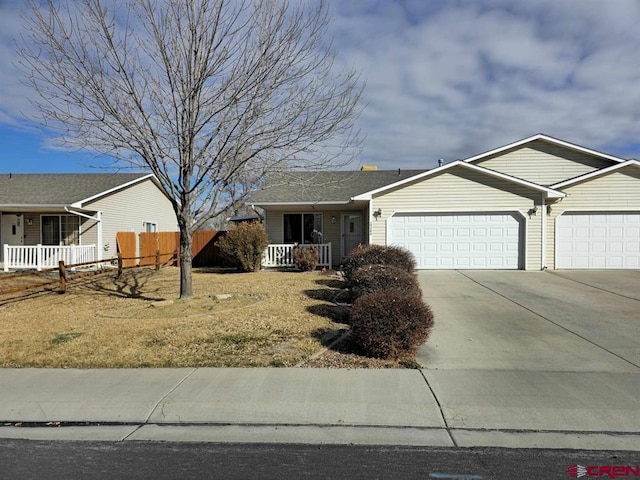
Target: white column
x=543, y=261
x=99, y=241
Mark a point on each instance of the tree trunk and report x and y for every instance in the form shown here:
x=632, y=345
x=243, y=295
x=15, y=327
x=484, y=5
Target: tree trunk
x=186, y=240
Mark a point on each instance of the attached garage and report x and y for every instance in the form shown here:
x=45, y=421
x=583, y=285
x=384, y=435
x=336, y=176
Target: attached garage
x=598, y=240
x=460, y=240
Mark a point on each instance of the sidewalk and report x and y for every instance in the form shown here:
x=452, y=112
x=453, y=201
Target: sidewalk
x=393, y=407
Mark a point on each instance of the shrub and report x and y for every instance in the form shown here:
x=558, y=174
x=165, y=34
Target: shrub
x=378, y=255
x=390, y=324
x=244, y=245
x=306, y=258
x=378, y=278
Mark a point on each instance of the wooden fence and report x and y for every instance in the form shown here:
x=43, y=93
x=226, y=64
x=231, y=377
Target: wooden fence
x=127, y=247
x=204, y=251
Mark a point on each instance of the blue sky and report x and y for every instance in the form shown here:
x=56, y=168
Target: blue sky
x=445, y=79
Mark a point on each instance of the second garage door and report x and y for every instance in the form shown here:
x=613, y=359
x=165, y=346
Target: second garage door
x=459, y=241
x=598, y=240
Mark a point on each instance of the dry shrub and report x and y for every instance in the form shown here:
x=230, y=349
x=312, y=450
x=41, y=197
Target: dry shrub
x=390, y=325
x=306, y=258
x=378, y=255
x=370, y=279
x=244, y=245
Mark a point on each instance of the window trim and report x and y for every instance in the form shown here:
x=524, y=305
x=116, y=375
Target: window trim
x=302, y=225
x=150, y=222
x=60, y=215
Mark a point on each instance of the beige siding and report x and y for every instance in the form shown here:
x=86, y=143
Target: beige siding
x=459, y=190
x=331, y=231
x=616, y=191
x=126, y=210
x=32, y=233
x=543, y=163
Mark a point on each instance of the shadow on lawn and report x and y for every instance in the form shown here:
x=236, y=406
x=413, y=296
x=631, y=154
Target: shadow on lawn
x=336, y=297
x=129, y=285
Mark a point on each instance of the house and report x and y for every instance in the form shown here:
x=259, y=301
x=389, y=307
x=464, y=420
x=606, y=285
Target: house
x=533, y=204
x=83, y=210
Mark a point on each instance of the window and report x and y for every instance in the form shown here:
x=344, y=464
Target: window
x=150, y=227
x=302, y=228
x=60, y=230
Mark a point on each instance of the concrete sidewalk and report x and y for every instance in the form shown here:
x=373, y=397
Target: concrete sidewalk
x=392, y=407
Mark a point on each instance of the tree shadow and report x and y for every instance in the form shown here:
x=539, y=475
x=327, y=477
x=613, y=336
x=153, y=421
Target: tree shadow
x=130, y=285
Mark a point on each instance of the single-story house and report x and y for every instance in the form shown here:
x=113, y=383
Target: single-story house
x=80, y=209
x=533, y=204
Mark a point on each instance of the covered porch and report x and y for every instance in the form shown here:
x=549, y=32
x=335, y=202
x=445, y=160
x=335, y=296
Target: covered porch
x=35, y=238
x=334, y=229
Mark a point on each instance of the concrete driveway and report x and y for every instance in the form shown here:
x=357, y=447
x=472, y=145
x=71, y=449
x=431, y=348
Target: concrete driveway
x=543, y=350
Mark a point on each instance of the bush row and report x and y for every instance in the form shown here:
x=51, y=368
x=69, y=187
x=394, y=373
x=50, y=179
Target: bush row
x=388, y=317
x=378, y=255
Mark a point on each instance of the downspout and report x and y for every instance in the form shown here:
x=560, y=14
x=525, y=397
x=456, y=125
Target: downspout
x=543, y=261
x=98, y=219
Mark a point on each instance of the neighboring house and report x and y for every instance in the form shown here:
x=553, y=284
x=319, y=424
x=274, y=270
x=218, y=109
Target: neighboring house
x=81, y=209
x=533, y=204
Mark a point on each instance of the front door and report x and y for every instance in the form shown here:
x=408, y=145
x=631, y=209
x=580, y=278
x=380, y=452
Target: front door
x=351, y=232
x=11, y=230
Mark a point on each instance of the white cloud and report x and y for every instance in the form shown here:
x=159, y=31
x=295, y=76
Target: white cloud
x=450, y=79
x=463, y=78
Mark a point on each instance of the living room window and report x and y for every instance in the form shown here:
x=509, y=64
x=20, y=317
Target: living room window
x=302, y=228
x=60, y=230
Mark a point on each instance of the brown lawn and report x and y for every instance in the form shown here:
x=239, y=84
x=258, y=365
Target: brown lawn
x=271, y=319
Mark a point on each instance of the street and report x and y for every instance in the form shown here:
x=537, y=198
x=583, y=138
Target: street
x=23, y=459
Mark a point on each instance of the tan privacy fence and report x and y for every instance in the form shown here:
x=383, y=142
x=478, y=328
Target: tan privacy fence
x=167, y=244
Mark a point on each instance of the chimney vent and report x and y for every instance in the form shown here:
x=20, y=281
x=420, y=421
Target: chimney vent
x=440, y=162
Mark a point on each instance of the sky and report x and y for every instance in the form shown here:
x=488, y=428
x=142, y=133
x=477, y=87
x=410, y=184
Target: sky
x=445, y=79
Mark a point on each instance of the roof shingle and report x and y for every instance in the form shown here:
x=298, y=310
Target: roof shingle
x=314, y=187
x=58, y=188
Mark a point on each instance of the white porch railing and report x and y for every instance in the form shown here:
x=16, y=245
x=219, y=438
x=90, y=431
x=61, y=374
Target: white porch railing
x=46, y=256
x=281, y=255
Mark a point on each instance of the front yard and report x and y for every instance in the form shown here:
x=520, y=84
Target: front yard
x=235, y=320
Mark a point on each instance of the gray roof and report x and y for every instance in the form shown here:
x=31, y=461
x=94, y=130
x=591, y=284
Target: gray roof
x=58, y=188
x=313, y=187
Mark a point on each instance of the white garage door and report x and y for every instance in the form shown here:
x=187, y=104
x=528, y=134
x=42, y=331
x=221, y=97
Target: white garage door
x=598, y=240
x=464, y=241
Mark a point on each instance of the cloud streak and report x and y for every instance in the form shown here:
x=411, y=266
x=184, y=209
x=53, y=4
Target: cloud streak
x=450, y=79
x=462, y=78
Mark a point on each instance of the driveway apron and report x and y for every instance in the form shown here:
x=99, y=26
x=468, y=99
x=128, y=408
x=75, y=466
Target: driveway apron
x=534, y=350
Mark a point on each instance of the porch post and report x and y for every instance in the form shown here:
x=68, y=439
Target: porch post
x=99, y=240
x=38, y=257
x=5, y=247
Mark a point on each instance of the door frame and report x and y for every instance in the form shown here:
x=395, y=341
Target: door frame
x=6, y=222
x=343, y=233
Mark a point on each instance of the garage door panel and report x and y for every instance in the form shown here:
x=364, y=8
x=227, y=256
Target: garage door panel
x=598, y=240
x=461, y=241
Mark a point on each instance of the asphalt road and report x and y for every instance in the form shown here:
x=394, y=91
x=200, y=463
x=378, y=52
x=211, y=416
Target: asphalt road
x=23, y=459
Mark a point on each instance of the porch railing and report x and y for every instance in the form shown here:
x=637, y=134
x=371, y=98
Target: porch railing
x=45, y=256
x=281, y=255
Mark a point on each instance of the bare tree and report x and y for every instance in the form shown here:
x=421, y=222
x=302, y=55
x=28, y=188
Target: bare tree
x=207, y=94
